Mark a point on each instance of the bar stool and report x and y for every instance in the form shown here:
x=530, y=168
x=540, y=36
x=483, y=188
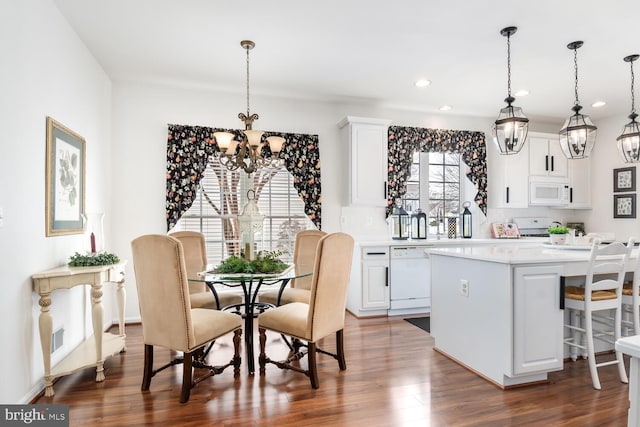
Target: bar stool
x=631, y=302
x=602, y=291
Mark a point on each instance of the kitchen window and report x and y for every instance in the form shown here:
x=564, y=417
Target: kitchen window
x=221, y=196
x=434, y=187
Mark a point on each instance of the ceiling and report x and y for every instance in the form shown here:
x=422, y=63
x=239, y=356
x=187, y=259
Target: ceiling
x=373, y=51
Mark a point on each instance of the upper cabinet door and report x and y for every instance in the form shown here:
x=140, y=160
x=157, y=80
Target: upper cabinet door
x=367, y=142
x=545, y=156
x=509, y=180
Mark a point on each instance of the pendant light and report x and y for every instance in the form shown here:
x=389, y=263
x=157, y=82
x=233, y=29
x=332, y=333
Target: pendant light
x=629, y=141
x=578, y=134
x=510, y=129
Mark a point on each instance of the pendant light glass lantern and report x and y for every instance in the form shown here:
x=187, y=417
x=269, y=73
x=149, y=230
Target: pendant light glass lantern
x=578, y=134
x=629, y=141
x=511, y=127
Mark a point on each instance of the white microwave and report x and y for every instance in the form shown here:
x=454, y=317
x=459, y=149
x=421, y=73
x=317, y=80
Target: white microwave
x=545, y=191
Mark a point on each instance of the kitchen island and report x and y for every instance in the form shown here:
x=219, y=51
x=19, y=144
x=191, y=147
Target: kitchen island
x=498, y=310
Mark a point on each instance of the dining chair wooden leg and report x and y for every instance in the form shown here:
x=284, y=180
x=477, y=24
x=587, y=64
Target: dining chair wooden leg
x=187, y=370
x=262, y=359
x=617, y=335
x=340, y=349
x=237, y=360
x=148, y=367
x=313, y=370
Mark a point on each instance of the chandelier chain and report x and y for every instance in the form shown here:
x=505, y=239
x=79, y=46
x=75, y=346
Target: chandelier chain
x=575, y=65
x=509, y=66
x=248, y=82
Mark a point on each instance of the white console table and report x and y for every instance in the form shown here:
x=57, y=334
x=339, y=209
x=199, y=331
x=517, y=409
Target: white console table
x=95, y=349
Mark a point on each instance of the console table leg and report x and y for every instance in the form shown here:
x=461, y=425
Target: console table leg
x=45, y=326
x=97, y=312
x=121, y=297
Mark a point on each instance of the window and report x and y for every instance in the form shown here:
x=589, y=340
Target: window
x=434, y=187
x=221, y=196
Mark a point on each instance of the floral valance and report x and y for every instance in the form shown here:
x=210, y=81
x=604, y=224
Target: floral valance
x=404, y=141
x=190, y=147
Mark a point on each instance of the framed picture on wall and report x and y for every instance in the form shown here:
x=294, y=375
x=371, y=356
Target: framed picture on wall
x=64, y=177
x=624, y=179
x=624, y=205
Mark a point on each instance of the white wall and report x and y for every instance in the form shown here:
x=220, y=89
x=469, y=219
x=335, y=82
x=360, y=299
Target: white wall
x=46, y=71
x=605, y=158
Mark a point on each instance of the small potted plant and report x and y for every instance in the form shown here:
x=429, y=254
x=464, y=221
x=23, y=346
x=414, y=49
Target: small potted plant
x=558, y=234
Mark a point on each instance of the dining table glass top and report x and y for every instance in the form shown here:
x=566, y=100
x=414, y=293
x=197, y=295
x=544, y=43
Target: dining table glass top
x=291, y=272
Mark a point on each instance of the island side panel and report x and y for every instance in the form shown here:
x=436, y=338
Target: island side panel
x=475, y=330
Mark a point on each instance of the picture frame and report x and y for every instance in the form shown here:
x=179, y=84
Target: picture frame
x=624, y=179
x=624, y=205
x=64, y=180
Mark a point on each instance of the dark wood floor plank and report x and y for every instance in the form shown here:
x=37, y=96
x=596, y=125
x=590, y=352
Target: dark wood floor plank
x=393, y=378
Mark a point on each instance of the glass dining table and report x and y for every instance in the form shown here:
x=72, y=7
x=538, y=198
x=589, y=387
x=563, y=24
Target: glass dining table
x=251, y=283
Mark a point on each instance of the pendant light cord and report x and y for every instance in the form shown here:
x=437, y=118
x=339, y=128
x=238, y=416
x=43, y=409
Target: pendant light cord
x=509, y=66
x=633, y=97
x=575, y=65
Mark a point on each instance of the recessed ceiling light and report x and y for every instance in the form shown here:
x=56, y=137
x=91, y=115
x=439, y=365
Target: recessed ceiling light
x=522, y=92
x=446, y=108
x=598, y=104
x=423, y=83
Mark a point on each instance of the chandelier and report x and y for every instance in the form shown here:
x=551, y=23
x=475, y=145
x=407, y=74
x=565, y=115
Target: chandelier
x=247, y=150
x=578, y=135
x=510, y=129
x=629, y=141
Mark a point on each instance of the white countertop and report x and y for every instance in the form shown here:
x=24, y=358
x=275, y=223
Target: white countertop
x=515, y=254
x=453, y=242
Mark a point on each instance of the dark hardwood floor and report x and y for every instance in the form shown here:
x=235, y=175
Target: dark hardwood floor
x=393, y=378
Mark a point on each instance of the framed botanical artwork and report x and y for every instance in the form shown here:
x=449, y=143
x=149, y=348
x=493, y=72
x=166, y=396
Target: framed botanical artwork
x=624, y=179
x=624, y=205
x=65, y=173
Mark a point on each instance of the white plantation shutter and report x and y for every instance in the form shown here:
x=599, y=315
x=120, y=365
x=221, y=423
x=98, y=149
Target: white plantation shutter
x=277, y=200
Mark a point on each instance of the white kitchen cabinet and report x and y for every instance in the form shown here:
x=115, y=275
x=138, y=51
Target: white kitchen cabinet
x=368, y=293
x=579, y=184
x=375, y=278
x=509, y=181
x=545, y=156
x=537, y=337
x=367, y=143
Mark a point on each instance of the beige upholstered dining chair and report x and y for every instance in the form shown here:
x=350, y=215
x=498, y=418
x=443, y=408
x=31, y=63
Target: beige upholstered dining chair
x=589, y=306
x=168, y=320
x=195, y=256
x=304, y=253
x=322, y=316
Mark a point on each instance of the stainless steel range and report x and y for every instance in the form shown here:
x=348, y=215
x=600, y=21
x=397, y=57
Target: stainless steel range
x=534, y=226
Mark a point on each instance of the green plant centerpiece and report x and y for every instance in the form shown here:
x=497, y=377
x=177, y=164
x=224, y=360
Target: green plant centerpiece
x=558, y=229
x=265, y=262
x=558, y=234
x=93, y=259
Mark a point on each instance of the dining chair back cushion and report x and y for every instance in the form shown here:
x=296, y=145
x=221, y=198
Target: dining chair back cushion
x=161, y=277
x=330, y=282
x=304, y=254
x=195, y=256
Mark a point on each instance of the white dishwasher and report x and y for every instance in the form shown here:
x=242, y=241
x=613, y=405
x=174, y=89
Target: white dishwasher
x=409, y=280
